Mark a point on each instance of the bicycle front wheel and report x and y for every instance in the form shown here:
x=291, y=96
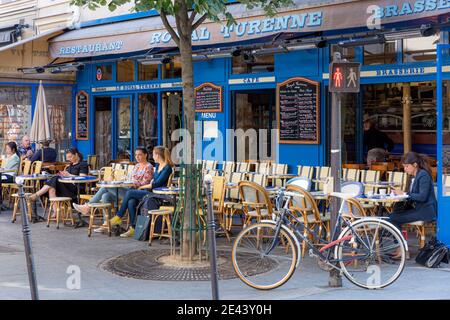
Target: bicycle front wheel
x=262, y=259
x=373, y=254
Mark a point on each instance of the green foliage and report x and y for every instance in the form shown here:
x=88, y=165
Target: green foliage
x=214, y=10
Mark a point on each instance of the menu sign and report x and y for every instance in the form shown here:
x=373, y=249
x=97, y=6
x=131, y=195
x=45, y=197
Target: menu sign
x=208, y=98
x=82, y=116
x=298, y=111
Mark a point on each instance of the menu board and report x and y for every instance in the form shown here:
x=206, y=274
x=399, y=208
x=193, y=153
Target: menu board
x=208, y=98
x=298, y=111
x=82, y=116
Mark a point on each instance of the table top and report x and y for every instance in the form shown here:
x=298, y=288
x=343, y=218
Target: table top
x=78, y=179
x=94, y=172
x=3, y=170
x=115, y=184
x=32, y=177
x=384, y=199
x=166, y=191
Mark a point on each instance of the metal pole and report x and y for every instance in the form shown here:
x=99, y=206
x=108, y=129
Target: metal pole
x=335, y=279
x=27, y=243
x=212, y=239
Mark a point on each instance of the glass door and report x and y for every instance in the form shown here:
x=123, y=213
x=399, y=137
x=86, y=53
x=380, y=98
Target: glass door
x=122, y=144
x=103, y=127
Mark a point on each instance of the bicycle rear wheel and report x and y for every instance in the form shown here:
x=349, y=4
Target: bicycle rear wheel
x=256, y=263
x=373, y=254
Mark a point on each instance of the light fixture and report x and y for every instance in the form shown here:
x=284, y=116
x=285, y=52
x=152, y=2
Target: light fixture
x=362, y=41
x=32, y=70
x=268, y=51
x=200, y=57
x=300, y=46
x=236, y=52
x=423, y=31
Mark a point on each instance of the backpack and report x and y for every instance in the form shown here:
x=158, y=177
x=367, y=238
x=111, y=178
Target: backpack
x=432, y=254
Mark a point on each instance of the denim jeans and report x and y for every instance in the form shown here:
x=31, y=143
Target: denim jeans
x=105, y=195
x=130, y=202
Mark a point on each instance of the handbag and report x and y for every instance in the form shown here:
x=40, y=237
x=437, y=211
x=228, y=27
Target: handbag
x=141, y=231
x=433, y=254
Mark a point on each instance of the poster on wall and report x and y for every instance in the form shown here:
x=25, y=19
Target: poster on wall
x=298, y=111
x=82, y=116
x=208, y=98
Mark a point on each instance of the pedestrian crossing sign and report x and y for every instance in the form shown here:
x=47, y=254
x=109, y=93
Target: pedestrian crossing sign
x=344, y=77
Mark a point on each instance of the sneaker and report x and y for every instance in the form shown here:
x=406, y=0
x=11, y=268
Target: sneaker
x=128, y=234
x=102, y=229
x=81, y=208
x=115, y=221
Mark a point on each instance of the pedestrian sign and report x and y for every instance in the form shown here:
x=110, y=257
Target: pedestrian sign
x=344, y=77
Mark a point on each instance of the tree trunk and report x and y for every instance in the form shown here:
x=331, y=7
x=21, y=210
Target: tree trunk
x=188, y=247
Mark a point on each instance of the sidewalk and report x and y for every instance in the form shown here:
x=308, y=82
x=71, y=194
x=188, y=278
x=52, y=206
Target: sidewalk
x=56, y=250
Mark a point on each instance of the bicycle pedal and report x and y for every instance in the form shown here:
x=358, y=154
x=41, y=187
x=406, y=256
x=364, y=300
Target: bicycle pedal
x=324, y=266
x=312, y=254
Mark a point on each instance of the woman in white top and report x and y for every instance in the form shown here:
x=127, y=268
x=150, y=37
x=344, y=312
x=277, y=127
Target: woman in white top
x=12, y=162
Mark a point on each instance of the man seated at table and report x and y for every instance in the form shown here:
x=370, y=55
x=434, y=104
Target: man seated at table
x=55, y=188
x=163, y=170
x=142, y=175
x=26, y=149
x=49, y=153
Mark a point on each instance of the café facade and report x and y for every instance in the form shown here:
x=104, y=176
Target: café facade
x=253, y=74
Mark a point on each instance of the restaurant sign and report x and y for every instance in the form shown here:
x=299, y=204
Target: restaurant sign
x=150, y=32
x=137, y=87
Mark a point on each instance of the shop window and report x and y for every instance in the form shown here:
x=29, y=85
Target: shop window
x=148, y=121
x=59, y=102
x=172, y=69
x=15, y=113
x=125, y=71
x=346, y=53
x=446, y=138
x=380, y=53
x=247, y=63
x=420, y=49
x=147, y=71
x=103, y=72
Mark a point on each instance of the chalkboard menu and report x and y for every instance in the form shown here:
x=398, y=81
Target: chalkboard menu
x=82, y=116
x=208, y=98
x=298, y=111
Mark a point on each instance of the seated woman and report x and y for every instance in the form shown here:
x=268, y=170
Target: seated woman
x=142, y=175
x=12, y=162
x=163, y=170
x=422, y=200
x=54, y=188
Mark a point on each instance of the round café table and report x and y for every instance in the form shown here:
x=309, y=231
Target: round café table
x=381, y=200
x=282, y=177
x=78, y=180
x=116, y=185
x=2, y=171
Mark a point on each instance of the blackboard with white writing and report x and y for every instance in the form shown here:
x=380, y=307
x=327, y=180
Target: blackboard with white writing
x=298, y=111
x=82, y=116
x=208, y=98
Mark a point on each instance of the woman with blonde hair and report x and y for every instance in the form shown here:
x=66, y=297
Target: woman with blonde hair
x=163, y=170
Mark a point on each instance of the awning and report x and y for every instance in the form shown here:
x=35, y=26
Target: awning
x=147, y=33
x=42, y=38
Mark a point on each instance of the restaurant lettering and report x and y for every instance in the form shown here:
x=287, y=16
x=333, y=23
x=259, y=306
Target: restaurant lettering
x=92, y=48
x=407, y=8
x=400, y=71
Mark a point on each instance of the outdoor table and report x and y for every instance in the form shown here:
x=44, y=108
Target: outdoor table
x=382, y=200
x=2, y=171
x=380, y=184
x=115, y=185
x=35, y=177
x=77, y=180
x=282, y=177
x=94, y=172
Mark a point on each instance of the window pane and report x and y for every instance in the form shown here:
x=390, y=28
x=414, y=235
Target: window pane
x=420, y=49
x=248, y=63
x=15, y=113
x=346, y=53
x=446, y=138
x=59, y=102
x=125, y=71
x=103, y=72
x=172, y=69
x=148, y=71
x=148, y=124
x=123, y=129
x=381, y=53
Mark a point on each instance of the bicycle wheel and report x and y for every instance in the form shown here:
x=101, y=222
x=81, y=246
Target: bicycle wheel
x=261, y=260
x=367, y=255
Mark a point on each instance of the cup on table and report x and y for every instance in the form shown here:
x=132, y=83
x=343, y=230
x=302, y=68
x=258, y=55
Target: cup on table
x=383, y=192
x=370, y=194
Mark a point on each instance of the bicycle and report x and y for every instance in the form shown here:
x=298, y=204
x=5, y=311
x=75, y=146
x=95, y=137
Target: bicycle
x=369, y=251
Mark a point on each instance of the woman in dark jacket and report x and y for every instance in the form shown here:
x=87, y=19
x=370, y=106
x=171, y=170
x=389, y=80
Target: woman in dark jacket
x=421, y=197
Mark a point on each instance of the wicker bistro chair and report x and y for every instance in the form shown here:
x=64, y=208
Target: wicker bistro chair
x=305, y=171
x=279, y=168
x=210, y=165
x=301, y=182
x=263, y=168
x=256, y=204
x=232, y=203
x=228, y=167
x=242, y=166
x=10, y=188
x=305, y=207
x=350, y=174
x=321, y=174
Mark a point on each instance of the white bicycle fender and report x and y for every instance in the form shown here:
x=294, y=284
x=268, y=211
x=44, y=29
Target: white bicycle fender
x=376, y=220
x=293, y=237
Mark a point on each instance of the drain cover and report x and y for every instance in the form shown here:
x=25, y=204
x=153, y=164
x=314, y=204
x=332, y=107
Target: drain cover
x=146, y=265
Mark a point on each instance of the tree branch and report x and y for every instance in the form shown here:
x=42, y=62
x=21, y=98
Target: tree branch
x=192, y=17
x=169, y=28
x=199, y=22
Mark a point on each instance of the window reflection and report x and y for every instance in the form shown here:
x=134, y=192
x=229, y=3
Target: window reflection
x=380, y=53
x=148, y=125
x=420, y=49
x=125, y=71
x=172, y=69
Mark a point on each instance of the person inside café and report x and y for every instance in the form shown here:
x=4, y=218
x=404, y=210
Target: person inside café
x=55, y=188
x=12, y=162
x=376, y=143
x=26, y=149
x=45, y=154
x=163, y=170
x=421, y=204
x=141, y=175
